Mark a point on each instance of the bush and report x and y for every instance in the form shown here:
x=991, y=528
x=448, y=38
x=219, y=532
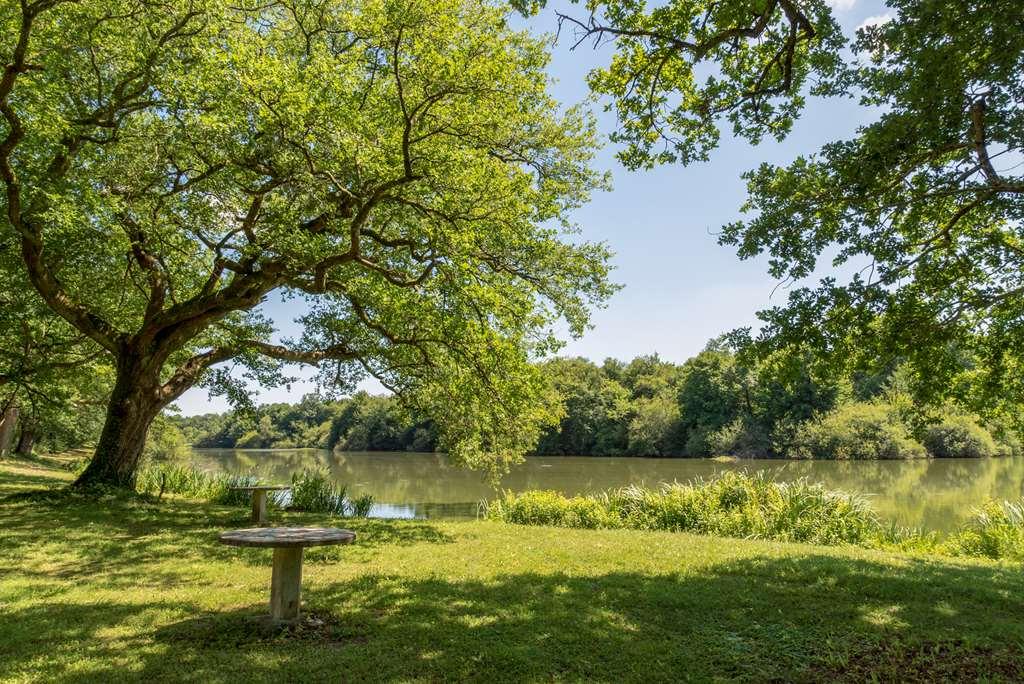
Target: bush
x=361, y=506
x=907, y=540
x=961, y=437
x=862, y=430
x=164, y=441
x=1006, y=436
x=997, y=531
x=740, y=505
x=539, y=507
x=740, y=438
x=314, y=492
x=733, y=504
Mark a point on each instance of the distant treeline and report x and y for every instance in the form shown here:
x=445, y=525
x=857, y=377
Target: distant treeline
x=710, y=405
x=362, y=422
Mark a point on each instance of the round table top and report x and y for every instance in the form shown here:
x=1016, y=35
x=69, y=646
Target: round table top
x=291, y=537
x=253, y=488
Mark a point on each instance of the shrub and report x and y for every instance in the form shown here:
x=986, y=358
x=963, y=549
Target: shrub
x=906, y=540
x=732, y=504
x=737, y=504
x=250, y=440
x=223, y=490
x=164, y=441
x=1006, y=436
x=961, y=437
x=740, y=438
x=361, y=506
x=312, y=491
x=540, y=507
x=862, y=430
x=997, y=531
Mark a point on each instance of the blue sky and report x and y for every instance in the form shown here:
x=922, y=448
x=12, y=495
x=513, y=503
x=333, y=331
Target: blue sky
x=681, y=287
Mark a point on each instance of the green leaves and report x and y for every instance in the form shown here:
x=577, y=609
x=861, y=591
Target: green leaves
x=925, y=204
x=683, y=67
x=399, y=165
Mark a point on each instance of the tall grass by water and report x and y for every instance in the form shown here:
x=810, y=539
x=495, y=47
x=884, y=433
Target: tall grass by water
x=169, y=478
x=311, y=490
x=734, y=504
x=738, y=504
x=996, y=531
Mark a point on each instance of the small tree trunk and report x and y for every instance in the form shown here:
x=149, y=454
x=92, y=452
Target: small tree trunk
x=133, y=406
x=26, y=440
x=8, y=423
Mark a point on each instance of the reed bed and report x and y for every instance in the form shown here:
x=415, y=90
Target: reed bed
x=739, y=504
x=312, y=490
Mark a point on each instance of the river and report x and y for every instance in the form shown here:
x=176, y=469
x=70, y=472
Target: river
x=934, y=494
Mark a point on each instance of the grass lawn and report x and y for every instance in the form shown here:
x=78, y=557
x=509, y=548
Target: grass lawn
x=125, y=589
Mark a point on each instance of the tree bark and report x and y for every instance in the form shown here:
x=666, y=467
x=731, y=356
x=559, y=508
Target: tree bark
x=134, y=403
x=8, y=423
x=26, y=440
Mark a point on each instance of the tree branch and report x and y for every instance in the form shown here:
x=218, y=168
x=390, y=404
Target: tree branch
x=978, y=139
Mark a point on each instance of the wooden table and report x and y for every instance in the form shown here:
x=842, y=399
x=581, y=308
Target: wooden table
x=288, y=543
x=259, y=499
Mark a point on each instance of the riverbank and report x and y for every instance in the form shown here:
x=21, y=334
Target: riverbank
x=124, y=589
x=932, y=494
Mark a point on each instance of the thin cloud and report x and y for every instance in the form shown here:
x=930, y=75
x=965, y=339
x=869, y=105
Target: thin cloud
x=876, y=20
x=842, y=5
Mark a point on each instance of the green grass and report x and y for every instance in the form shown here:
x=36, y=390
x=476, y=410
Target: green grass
x=132, y=589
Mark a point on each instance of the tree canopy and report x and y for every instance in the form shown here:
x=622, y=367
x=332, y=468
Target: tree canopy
x=168, y=165
x=53, y=379
x=924, y=205
x=402, y=169
x=679, y=68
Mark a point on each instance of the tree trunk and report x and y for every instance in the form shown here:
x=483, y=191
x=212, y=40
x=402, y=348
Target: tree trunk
x=26, y=440
x=133, y=405
x=8, y=422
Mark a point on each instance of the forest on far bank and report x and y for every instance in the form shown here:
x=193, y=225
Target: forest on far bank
x=712, y=404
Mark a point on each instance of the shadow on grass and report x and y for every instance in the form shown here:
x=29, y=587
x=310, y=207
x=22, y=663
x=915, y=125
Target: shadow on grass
x=809, y=618
x=118, y=540
x=41, y=484
x=780, y=617
x=757, y=619
x=42, y=640
x=253, y=626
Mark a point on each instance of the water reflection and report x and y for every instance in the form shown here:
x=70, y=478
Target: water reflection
x=936, y=494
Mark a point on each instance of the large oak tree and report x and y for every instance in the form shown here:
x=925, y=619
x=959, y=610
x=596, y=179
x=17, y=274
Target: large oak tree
x=167, y=165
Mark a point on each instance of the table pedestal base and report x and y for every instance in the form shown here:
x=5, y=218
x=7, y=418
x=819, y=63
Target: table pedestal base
x=259, y=507
x=286, y=584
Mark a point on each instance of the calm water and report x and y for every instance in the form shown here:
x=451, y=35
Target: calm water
x=935, y=494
